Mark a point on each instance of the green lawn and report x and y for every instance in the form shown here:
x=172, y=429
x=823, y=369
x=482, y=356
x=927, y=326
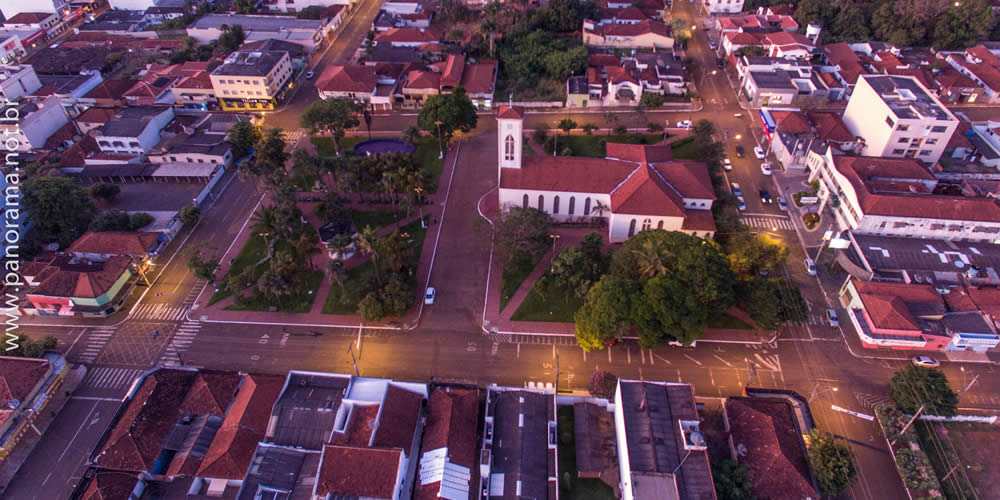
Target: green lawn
x=374, y=218
x=300, y=302
x=571, y=486
x=253, y=250
x=683, y=149
x=426, y=154
x=728, y=322
x=513, y=275
x=359, y=279
x=593, y=145
x=538, y=306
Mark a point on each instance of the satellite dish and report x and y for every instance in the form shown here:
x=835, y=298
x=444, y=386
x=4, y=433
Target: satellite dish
x=697, y=439
x=959, y=264
x=741, y=449
x=13, y=403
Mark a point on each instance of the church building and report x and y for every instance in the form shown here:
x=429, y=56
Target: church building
x=636, y=187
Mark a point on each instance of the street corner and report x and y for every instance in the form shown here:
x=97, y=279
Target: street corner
x=137, y=344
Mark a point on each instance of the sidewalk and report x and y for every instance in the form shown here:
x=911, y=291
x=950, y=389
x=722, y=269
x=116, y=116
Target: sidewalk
x=433, y=210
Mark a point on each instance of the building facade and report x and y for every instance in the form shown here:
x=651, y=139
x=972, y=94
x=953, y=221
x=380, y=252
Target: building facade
x=252, y=80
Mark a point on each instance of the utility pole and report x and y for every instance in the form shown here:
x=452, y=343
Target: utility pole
x=557, y=371
x=908, y=424
x=974, y=379
x=350, y=349
x=953, y=469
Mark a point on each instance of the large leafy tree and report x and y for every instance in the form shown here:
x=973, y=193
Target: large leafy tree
x=521, y=232
x=915, y=386
x=605, y=312
x=963, y=25
x=454, y=112
x=831, y=463
x=59, y=208
x=751, y=255
x=243, y=137
x=336, y=116
x=732, y=481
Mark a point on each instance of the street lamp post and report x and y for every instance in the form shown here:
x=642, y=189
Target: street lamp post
x=440, y=140
x=816, y=391
x=420, y=205
x=555, y=237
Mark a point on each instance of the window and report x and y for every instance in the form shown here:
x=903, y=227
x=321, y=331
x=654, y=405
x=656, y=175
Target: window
x=173, y=158
x=903, y=128
x=541, y=203
x=931, y=141
x=225, y=92
x=572, y=205
x=256, y=82
x=647, y=224
x=586, y=206
x=659, y=225
x=555, y=205
x=631, y=228
x=890, y=122
x=938, y=129
x=212, y=161
x=508, y=148
x=925, y=152
x=524, y=202
x=897, y=151
x=201, y=160
x=904, y=140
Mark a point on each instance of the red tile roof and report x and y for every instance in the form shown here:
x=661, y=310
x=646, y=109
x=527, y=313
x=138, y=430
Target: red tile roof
x=626, y=14
x=480, y=78
x=359, y=427
x=844, y=56
x=601, y=60
x=740, y=39
x=618, y=74
x=886, y=303
x=61, y=136
x=349, y=78
x=136, y=439
x=199, y=80
x=754, y=21
x=646, y=193
x=637, y=153
x=211, y=393
x=451, y=73
x=115, y=243
x=358, y=472
x=29, y=18
x=830, y=127
x=631, y=30
x=245, y=425
x=110, y=89
x=423, y=80
x=18, y=378
x=407, y=35
x=97, y=116
x=452, y=420
x=988, y=70
x=777, y=466
x=856, y=169
x=792, y=122
x=515, y=113
x=950, y=78
x=109, y=486
x=81, y=280
x=397, y=422
x=960, y=138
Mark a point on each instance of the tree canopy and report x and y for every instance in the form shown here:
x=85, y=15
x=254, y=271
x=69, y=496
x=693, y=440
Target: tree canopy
x=521, y=232
x=539, y=54
x=454, y=111
x=243, y=138
x=335, y=115
x=732, y=481
x=60, y=209
x=914, y=386
x=831, y=463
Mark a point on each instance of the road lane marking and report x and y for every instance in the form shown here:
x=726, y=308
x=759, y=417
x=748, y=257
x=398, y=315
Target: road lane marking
x=724, y=361
x=694, y=360
x=85, y=420
x=667, y=361
x=628, y=354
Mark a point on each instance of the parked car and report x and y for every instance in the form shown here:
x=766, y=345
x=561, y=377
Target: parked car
x=925, y=361
x=810, y=267
x=684, y=124
x=711, y=43
x=741, y=204
x=758, y=152
x=739, y=151
x=831, y=317
x=726, y=164
x=765, y=197
x=429, y=295
x=782, y=204
x=736, y=189
x=310, y=75
x=765, y=168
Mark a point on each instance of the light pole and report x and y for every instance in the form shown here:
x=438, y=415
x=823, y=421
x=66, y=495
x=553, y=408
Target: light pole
x=420, y=205
x=967, y=387
x=555, y=237
x=440, y=140
x=816, y=392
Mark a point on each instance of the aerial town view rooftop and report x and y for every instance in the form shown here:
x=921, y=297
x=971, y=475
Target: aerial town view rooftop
x=411, y=249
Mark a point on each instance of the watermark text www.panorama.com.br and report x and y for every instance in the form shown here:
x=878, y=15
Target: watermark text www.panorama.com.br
x=12, y=217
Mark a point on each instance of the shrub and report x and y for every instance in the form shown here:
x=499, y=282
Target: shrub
x=539, y=135
x=603, y=385
x=654, y=127
x=810, y=220
x=620, y=130
x=190, y=214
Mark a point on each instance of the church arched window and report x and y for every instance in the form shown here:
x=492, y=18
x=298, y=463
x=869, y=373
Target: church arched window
x=508, y=148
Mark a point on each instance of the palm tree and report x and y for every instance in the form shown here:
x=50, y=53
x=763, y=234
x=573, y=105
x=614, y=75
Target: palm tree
x=600, y=208
x=367, y=242
x=338, y=273
x=389, y=183
x=611, y=118
x=411, y=133
x=339, y=245
x=649, y=259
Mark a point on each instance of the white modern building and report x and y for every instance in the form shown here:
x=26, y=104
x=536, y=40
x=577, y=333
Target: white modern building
x=134, y=130
x=36, y=123
x=723, y=6
x=897, y=117
x=11, y=8
x=251, y=80
x=309, y=33
x=895, y=197
x=17, y=81
x=636, y=187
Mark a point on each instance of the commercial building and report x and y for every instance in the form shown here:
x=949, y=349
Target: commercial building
x=518, y=458
x=897, y=117
x=29, y=384
x=637, y=188
x=134, y=130
x=722, y=6
x=309, y=33
x=65, y=285
x=896, y=197
x=250, y=81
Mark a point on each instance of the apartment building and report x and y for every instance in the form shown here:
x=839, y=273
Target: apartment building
x=309, y=33
x=252, y=80
x=723, y=6
x=17, y=81
x=36, y=123
x=134, y=130
x=897, y=117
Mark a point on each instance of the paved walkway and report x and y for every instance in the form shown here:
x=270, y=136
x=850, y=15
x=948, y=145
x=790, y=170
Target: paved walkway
x=315, y=317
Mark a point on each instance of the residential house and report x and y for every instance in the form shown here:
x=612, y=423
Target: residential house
x=94, y=119
x=985, y=141
x=765, y=436
x=896, y=116
x=134, y=130
x=29, y=384
x=107, y=94
x=118, y=22
x=448, y=450
x=17, y=81
x=66, y=285
x=156, y=81
x=291, y=6
x=309, y=33
x=793, y=134
x=896, y=196
x=202, y=143
x=69, y=89
x=578, y=92
x=778, y=80
x=843, y=62
x=137, y=245
x=518, y=456
x=786, y=44
x=364, y=84
x=973, y=299
x=895, y=315
x=307, y=397
x=642, y=35
x=982, y=66
x=407, y=37
x=36, y=123
x=661, y=451
x=636, y=187
x=765, y=88
x=277, y=468
x=955, y=88
x=628, y=15
x=756, y=23
x=195, y=93
x=48, y=21
x=11, y=50
x=11, y=8
x=388, y=54
x=158, y=14
x=722, y=6
x=667, y=68
x=252, y=80
x=478, y=80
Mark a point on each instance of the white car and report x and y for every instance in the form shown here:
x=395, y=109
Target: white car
x=684, y=124
x=737, y=191
x=831, y=316
x=782, y=204
x=758, y=152
x=726, y=164
x=810, y=267
x=310, y=75
x=765, y=168
x=925, y=361
x=741, y=204
x=429, y=295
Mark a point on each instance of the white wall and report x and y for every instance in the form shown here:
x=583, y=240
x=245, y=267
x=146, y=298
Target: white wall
x=724, y=6
x=24, y=82
x=624, y=467
x=515, y=198
x=131, y=4
x=514, y=128
x=37, y=127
